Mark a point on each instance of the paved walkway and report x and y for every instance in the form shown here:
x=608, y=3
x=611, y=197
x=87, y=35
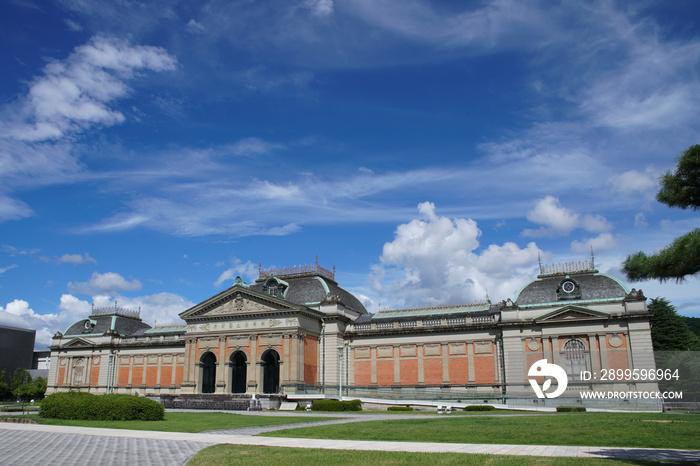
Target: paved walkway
x=31, y=444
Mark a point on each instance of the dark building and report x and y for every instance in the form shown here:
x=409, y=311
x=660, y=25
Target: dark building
x=16, y=349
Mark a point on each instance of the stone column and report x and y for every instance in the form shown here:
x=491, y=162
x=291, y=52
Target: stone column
x=221, y=369
x=421, y=370
x=397, y=365
x=445, y=365
x=186, y=371
x=594, y=346
x=253, y=365
x=87, y=376
x=299, y=377
x=471, y=375
x=159, y=367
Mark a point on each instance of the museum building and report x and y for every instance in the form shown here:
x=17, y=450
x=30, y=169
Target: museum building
x=295, y=333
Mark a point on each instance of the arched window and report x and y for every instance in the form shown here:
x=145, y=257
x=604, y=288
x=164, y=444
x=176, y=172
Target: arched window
x=208, y=373
x=78, y=369
x=272, y=289
x=271, y=372
x=239, y=368
x=576, y=358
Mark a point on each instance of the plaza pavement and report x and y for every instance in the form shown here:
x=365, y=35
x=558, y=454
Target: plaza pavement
x=32, y=444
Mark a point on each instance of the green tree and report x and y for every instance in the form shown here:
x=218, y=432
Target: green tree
x=682, y=257
x=669, y=332
x=5, y=391
x=38, y=388
x=21, y=383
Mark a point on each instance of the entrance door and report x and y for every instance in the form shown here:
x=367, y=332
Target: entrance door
x=271, y=372
x=238, y=371
x=208, y=373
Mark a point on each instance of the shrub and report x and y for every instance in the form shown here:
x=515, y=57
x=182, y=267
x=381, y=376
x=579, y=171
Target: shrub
x=400, y=408
x=571, y=409
x=336, y=405
x=81, y=405
x=479, y=408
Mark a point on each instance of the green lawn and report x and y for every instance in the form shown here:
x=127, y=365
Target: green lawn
x=585, y=429
x=187, y=422
x=263, y=456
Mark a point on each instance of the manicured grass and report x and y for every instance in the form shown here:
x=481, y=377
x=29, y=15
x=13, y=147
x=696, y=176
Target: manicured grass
x=585, y=429
x=186, y=422
x=251, y=456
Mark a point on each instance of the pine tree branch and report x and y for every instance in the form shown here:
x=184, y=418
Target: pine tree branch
x=675, y=262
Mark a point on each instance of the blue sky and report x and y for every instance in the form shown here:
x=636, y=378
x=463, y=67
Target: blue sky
x=150, y=152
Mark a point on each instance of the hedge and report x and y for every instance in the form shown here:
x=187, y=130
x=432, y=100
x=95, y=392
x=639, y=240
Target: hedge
x=479, y=408
x=571, y=409
x=81, y=405
x=336, y=405
x=400, y=408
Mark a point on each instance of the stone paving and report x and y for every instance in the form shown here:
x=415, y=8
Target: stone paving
x=33, y=447
x=31, y=444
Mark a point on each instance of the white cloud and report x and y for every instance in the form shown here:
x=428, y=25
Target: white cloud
x=555, y=218
x=640, y=220
x=634, y=182
x=37, y=132
x=73, y=307
x=320, y=8
x=560, y=221
x=432, y=260
x=12, y=209
x=74, y=94
x=159, y=308
x=9, y=267
x=600, y=243
x=253, y=146
x=248, y=271
x=106, y=283
x=18, y=313
x=194, y=27
x=71, y=259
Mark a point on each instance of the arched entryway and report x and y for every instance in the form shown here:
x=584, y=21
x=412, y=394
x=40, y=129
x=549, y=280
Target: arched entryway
x=208, y=373
x=239, y=367
x=271, y=372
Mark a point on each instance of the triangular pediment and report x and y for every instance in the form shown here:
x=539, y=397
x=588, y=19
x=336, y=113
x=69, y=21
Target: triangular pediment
x=238, y=301
x=78, y=342
x=570, y=313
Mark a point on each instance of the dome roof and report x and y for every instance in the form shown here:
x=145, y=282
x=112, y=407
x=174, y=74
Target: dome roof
x=592, y=286
x=120, y=320
x=311, y=289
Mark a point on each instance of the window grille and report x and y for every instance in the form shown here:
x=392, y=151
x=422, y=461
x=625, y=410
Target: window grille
x=576, y=358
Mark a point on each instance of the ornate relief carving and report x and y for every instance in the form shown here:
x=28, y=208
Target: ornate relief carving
x=615, y=340
x=273, y=322
x=533, y=344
